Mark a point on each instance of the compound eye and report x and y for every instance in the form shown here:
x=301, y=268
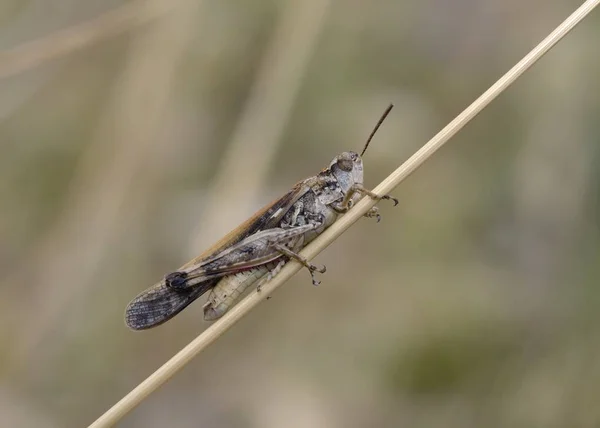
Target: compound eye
x=345, y=164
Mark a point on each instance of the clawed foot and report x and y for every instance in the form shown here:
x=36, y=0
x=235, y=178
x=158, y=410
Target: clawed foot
x=374, y=212
x=388, y=198
x=312, y=269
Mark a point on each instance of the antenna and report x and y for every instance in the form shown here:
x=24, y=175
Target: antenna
x=381, y=119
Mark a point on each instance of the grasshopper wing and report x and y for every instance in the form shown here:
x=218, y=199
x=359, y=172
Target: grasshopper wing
x=255, y=250
x=160, y=302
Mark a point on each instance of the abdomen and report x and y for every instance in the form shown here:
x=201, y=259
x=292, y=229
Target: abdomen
x=228, y=290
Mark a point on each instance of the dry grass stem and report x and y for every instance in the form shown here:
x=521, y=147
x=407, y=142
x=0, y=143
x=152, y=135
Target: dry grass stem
x=165, y=372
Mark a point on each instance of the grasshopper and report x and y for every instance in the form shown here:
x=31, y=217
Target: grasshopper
x=257, y=249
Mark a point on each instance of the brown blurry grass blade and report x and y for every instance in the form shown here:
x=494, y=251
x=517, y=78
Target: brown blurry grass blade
x=160, y=376
x=126, y=142
x=68, y=40
x=263, y=118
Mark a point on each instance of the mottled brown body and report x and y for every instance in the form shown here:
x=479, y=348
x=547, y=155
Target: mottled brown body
x=257, y=249
x=160, y=302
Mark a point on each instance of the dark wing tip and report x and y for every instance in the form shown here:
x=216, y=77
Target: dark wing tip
x=159, y=304
x=141, y=313
x=140, y=316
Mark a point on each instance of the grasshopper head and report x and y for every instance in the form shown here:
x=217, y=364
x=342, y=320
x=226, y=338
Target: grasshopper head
x=347, y=168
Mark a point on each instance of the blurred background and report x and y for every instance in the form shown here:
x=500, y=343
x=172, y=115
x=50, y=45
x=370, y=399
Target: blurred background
x=134, y=134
